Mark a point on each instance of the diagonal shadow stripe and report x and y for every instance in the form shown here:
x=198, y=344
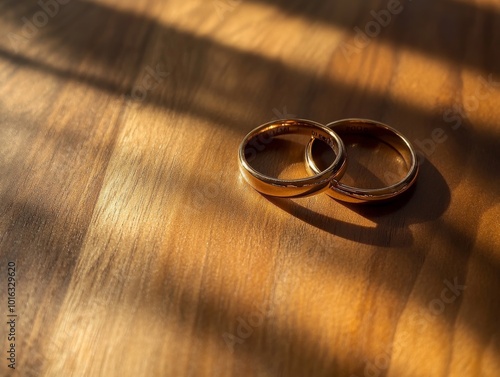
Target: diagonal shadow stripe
x=434, y=28
x=199, y=70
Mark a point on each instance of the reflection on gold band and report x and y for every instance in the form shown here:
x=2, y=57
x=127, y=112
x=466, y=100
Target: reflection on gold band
x=292, y=188
x=384, y=133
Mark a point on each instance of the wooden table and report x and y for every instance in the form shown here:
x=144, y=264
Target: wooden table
x=140, y=251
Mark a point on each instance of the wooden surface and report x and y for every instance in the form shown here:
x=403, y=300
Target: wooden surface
x=140, y=251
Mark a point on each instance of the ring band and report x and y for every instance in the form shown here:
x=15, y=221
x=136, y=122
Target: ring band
x=384, y=133
x=291, y=188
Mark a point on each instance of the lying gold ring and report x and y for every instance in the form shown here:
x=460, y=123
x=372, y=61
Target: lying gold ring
x=291, y=188
x=384, y=133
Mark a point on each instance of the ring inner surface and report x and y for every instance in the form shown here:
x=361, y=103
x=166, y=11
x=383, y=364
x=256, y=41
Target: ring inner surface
x=377, y=157
x=279, y=151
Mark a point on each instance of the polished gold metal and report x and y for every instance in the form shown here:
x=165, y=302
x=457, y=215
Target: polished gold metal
x=291, y=188
x=384, y=133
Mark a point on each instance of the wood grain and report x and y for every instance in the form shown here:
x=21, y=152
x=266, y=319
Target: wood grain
x=140, y=251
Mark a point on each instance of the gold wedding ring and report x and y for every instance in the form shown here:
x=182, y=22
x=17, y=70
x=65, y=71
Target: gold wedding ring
x=293, y=188
x=382, y=132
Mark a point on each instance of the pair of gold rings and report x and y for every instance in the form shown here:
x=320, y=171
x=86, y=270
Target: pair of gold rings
x=328, y=179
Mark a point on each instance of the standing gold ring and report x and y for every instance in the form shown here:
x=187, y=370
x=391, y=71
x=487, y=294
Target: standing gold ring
x=291, y=188
x=384, y=133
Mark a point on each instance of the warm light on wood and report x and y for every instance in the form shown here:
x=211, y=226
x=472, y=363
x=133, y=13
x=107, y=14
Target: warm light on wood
x=141, y=251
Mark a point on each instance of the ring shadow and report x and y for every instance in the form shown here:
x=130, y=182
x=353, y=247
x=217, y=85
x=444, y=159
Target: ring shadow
x=427, y=200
